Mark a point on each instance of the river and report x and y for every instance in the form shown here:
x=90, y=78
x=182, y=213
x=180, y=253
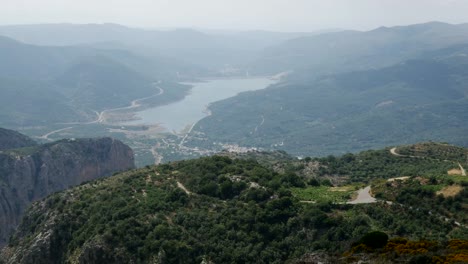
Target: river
x=177, y=116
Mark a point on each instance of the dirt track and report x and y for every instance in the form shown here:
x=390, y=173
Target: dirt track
x=364, y=197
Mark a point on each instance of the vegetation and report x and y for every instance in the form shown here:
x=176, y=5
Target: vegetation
x=383, y=164
x=324, y=194
x=422, y=251
x=416, y=100
x=236, y=210
x=436, y=151
x=374, y=240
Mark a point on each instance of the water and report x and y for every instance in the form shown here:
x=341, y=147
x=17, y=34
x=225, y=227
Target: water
x=177, y=116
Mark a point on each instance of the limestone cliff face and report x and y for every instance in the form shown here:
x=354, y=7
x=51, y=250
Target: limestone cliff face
x=27, y=177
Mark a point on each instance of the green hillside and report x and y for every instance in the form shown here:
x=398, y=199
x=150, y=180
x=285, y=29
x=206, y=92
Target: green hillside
x=411, y=101
x=47, y=84
x=221, y=209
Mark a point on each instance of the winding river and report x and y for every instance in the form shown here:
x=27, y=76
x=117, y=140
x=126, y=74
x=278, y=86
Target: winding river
x=177, y=116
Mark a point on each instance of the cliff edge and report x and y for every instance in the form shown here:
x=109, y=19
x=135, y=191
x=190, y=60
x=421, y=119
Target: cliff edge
x=31, y=173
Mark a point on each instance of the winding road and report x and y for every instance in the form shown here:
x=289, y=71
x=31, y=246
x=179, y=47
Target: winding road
x=463, y=171
x=394, y=153
x=261, y=124
x=134, y=104
x=101, y=115
x=46, y=136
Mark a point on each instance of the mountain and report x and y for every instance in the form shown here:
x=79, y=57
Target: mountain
x=24, y=102
x=211, y=50
x=122, y=36
x=355, y=50
x=420, y=99
x=101, y=83
x=235, y=210
x=45, y=84
x=10, y=139
x=21, y=60
x=31, y=173
x=82, y=34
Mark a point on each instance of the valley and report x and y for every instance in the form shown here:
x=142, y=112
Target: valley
x=159, y=133
x=143, y=145
x=179, y=107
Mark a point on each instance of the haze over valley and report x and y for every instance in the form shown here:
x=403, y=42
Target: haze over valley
x=402, y=84
x=242, y=132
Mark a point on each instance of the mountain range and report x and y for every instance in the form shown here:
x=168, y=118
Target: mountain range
x=422, y=97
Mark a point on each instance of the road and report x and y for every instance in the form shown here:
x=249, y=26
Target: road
x=134, y=104
x=463, y=171
x=46, y=136
x=182, y=187
x=186, y=135
x=261, y=123
x=364, y=197
x=100, y=116
x=157, y=157
x=394, y=153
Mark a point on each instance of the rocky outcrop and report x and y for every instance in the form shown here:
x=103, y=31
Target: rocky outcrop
x=27, y=177
x=10, y=139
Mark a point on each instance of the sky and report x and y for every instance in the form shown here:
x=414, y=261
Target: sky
x=274, y=15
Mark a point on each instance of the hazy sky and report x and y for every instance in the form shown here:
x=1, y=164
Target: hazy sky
x=280, y=15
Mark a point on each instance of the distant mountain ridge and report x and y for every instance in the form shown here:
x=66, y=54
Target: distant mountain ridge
x=208, y=50
x=355, y=50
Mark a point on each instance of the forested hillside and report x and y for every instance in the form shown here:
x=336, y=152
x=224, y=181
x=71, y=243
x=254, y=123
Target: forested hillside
x=420, y=99
x=221, y=209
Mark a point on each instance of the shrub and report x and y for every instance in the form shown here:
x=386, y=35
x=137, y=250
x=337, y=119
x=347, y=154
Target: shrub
x=375, y=239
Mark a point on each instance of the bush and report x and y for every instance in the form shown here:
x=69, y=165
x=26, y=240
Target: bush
x=375, y=239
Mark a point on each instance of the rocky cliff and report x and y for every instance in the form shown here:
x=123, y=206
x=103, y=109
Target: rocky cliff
x=32, y=173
